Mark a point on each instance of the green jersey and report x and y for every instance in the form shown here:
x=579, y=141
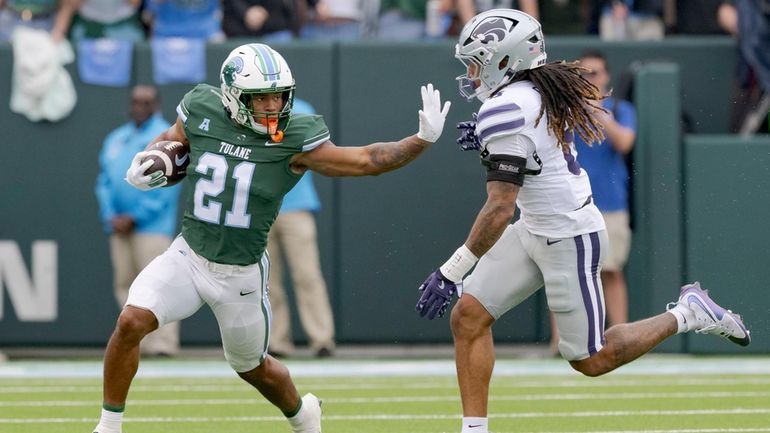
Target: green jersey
x=239, y=177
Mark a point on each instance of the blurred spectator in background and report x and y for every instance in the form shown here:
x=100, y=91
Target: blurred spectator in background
x=563, y=17
x=140, y=224
x=401, y=19
x=340, y=20
x=699, y=17
x=727, y=16
x=608, y=174
x=409, y=20
x=749, y=103
x=112, y=19
x=41, y=86
x=54, y=16
x=620, y=20
x=293, y=237
x=467, y=9
x=269, y=20
x=200, y=19
x=753, y=24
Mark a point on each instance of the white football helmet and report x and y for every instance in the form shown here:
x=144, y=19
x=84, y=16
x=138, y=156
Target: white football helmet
x=255, y=69
x=493, y=46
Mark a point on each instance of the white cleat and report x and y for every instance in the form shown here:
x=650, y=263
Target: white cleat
x=309, y=416
x=710, y=318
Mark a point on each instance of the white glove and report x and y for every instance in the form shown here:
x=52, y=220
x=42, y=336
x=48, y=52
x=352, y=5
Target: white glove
x=431, y=119
x=136, y=177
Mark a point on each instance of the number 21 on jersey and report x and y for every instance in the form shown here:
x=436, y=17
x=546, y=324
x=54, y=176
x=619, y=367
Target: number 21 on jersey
x=211, y=210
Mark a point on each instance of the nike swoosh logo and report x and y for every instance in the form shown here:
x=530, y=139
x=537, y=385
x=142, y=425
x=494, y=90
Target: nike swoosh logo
x=270, y=143
x=550, y=242
x=441, y=285
x=246, y=293
x=695, y=300
x=474, y=426
x=180, y=161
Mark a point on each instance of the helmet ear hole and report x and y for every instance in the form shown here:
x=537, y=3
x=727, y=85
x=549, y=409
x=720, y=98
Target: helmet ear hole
x=288, y=101
x=503, y=63
x=245, y=99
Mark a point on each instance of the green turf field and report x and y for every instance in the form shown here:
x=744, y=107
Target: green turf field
x=554, y=400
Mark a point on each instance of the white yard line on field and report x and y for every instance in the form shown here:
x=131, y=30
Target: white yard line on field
x=423, y=399
x=504, y=383
x=651, y=364
x=404, y=417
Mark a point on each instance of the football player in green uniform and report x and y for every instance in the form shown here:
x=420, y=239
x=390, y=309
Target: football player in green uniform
x=246, y=151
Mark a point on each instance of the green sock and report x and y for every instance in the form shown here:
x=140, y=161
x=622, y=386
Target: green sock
x=118, y=409
x=295, y=411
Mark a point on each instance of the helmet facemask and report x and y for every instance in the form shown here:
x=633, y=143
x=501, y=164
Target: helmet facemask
x=256, y=69
x=266, y=121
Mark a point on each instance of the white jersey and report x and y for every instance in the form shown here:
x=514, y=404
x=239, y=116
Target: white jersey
x=557, y=202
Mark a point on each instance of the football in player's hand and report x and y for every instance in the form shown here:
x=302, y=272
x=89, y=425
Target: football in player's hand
x=170, y=157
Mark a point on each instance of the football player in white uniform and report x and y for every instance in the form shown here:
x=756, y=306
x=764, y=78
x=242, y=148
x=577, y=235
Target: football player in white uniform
x=524, y=131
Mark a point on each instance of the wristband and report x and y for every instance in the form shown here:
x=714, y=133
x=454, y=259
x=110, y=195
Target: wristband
x=459, y=264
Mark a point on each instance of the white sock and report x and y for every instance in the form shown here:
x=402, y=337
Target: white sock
x=110, y=422
x=473, y=424
x=685, y=318
x=298, y=418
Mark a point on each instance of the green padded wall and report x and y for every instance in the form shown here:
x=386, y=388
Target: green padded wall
x=727, y=213
x=379, y=237
x=655, y=265
x=707, y=66
x=399, y=227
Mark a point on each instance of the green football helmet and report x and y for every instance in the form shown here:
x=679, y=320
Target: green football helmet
x=253, y=69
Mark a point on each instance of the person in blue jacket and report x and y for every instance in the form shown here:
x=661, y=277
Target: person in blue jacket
x=608, y=174
x=609, y=177
x=141, y=225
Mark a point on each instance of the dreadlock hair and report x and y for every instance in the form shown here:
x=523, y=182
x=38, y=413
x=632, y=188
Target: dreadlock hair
x=568, y=101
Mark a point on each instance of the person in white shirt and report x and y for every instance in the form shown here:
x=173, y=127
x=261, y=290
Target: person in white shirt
x=525, y=130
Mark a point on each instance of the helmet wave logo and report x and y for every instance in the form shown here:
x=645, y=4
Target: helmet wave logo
x=234, y=66
x=492, y=30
